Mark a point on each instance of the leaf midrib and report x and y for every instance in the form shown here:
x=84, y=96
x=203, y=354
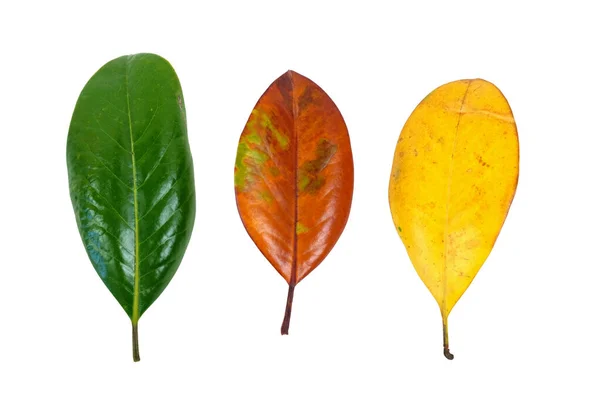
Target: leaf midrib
x=136, y=270
x=294, y=269
x=449, y=194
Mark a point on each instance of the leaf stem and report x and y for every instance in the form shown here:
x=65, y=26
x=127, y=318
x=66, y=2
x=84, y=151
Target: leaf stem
x=447, y=353
x=285, y=326
x=136, y=346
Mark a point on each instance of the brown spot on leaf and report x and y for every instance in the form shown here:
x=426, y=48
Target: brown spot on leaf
x=284, y=84
x=472, y=243
x=306, y=97
x=274, y=171
x=310, y=179
x=483, y=163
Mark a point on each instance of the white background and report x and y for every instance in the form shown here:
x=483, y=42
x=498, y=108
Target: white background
x=363, y=326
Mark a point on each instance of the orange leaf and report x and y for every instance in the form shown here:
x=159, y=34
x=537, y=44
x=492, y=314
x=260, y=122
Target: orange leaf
x=294, y=177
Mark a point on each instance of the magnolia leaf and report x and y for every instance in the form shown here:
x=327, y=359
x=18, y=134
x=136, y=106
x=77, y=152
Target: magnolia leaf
x=131, y=178
x=454, y=176
x=294, y=178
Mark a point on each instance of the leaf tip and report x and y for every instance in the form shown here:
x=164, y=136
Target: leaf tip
x=291, y=74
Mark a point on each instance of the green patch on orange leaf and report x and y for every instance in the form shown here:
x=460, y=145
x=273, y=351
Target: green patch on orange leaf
x=247, y=159
x=266, y=123
x=253, y=137
x=310, y=179
x=303, y=182
x=311, y=184
x=281, y=139
x=257, y=156
x=301, y=228
x=265, y=196
x=241, y=175
x=274, y=171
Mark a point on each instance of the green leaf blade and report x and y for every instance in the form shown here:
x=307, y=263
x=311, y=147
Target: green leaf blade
x=131, y=177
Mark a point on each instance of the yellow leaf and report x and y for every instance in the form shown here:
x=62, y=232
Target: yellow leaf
x=454, y=176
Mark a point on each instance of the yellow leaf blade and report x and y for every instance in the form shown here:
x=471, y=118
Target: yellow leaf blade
x=454, y=175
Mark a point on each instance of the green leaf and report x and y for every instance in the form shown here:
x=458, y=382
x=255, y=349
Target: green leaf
x=131, y=178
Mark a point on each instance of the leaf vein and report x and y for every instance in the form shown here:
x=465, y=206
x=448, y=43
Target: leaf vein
x=159, y=161
x=121, y=245
x=108, y=203
x=111, y=138
x=108, y=168
x=108, y=257
x=147, y=126
x=167, y=193
x=171, y=216
x=173, y=236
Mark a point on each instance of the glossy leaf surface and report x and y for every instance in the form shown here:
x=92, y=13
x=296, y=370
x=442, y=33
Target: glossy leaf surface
x=454, y=175
x=131, y=178
x=294, y=177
